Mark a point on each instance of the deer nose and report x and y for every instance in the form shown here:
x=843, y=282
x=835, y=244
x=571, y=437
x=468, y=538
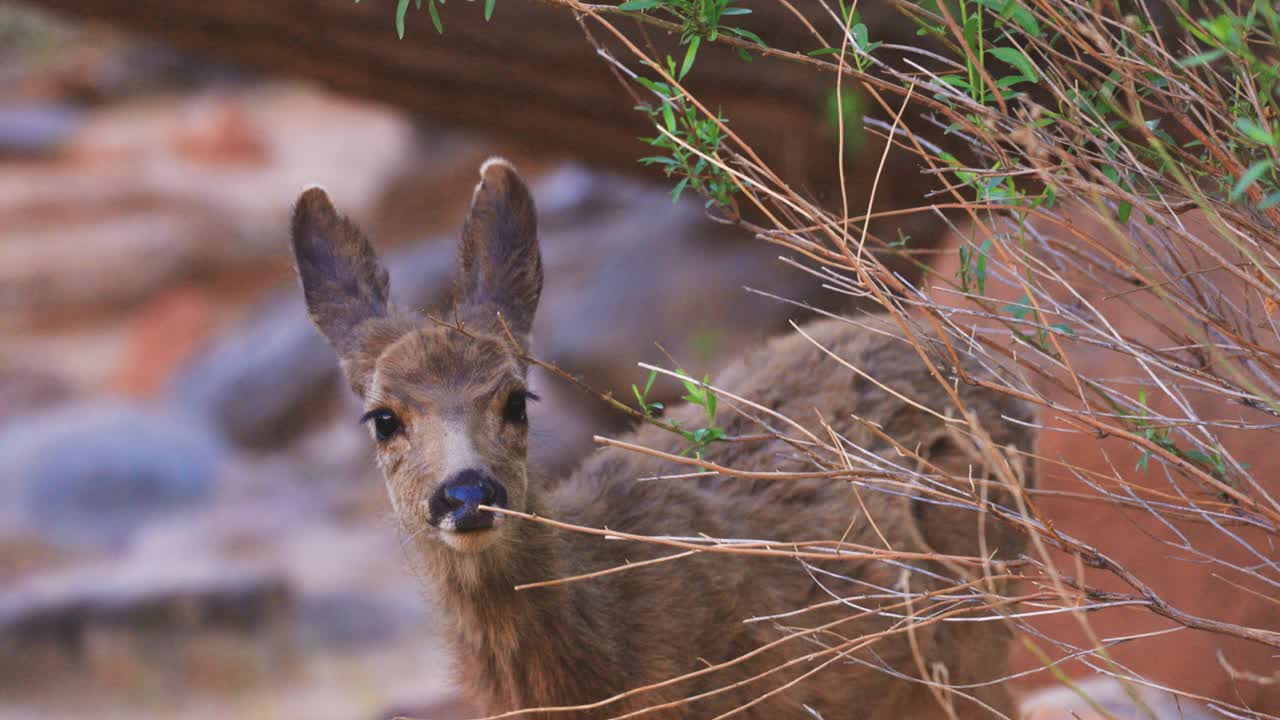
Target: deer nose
x=455, y=504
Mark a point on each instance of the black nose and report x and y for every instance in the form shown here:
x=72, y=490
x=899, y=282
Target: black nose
x=455, y=504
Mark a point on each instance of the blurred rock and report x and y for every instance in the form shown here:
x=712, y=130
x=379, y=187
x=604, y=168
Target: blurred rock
x=101, y=264
x=196, y=623
x=347, y=620
x=24, y=391
x=93, y=472
x=265, y=382
x=220, y=130
x=1061, y=703
x=24, y=552
x=448, y=708
x=169, y=328
x=45, y=56
x=34, y=130
x=156, y=192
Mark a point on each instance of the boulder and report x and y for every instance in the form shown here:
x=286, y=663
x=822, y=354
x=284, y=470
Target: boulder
x=94, y=472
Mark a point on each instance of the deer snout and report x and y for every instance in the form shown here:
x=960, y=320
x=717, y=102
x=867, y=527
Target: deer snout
x=455, y=504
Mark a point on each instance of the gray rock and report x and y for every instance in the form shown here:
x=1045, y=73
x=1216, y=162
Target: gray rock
x=36, y=129
x=96, y=471
x=266, y=381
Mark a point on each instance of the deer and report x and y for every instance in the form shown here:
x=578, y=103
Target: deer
x=446, y=404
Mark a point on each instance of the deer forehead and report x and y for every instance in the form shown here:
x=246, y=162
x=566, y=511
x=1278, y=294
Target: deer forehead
x=445, y=369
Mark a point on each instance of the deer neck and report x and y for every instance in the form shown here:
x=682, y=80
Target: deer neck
x=524, y=648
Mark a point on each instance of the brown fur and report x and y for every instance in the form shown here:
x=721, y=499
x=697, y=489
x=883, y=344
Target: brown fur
x=585, y=641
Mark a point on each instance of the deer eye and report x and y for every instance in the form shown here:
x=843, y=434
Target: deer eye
x=515, y=409
x=385, y=423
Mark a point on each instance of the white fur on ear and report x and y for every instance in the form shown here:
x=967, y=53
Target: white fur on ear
x=496, y=160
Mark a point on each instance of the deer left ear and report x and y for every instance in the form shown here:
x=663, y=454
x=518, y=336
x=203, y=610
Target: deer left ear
x=344, y=283
x=500, y=265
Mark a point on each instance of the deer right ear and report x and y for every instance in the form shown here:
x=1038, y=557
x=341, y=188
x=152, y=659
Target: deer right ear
x=500, y=265
x=344, y=283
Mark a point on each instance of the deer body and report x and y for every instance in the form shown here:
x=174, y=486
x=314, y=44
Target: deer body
x=448, y=410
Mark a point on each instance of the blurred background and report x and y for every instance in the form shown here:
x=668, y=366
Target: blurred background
x=190, y=521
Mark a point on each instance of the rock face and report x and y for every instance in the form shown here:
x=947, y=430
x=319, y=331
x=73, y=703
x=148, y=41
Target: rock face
x=93, y=472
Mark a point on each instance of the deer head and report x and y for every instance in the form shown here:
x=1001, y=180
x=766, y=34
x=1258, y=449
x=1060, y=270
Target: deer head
x=445, y=405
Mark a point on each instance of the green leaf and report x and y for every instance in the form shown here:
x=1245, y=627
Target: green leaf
x=980, y=270
x=1122, y=212
x=746, y=56
x=435, y=17
x=1022, y=16
x=823, y=51
x=1063, y=328
x=971, y=30
x=1255, y=171
x=1202, y=58
x=1201, y=457
x=689, y=55
x=634, y=5
x=488, y=9
x=679, y=188
x=1270, y=201
x=655, y=87
x=1020, y=309
x=710, y=399
x=746, y=35
x=1142, y=461
x=691, y=387
x=1016, y=58
x=1255, y=132
x=402, y=7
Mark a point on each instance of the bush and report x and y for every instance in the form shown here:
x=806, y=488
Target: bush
x=1116, y=167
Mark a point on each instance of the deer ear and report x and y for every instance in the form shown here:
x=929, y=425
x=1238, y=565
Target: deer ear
x=342, y=279
x=500, y=266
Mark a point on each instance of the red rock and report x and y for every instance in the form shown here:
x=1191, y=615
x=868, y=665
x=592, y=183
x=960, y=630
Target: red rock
x=166, y=332
x=1187, y=660
x=219, y=131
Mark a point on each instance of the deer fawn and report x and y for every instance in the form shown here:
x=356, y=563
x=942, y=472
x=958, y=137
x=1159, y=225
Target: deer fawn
x=446, y=407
